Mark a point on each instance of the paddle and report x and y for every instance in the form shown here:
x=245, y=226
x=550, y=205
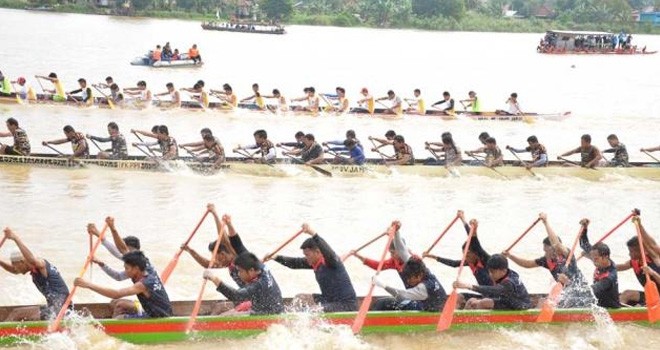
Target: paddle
x=548, y=308
x=366, y=302
x=56, y=323
x=521, y=161
x=650, y=155
x=193, y=155
x=150, y=156
x=450, y=168
x=387, y=108
x=352, y=252
x=523, y=234
x=198, y=302
x=650, y=287
x=107, y=98
x=569, y=161
x=442, y=235
x=77, y=162
x=40, y=84
x=18, y=97
x=165, y=275
x=375, y=149
x=616, y=227
x=95, y=144
x=315, y=167
x=249, y=156
x=447, y=315
x=483, y=163
x=269, y=256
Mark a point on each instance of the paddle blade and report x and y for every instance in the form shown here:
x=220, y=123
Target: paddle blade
x=447, y=315
x=195, y=310
x=111, y=104
x=362, y=313
x=548, y=309
x=652, y=301
x=165, y=275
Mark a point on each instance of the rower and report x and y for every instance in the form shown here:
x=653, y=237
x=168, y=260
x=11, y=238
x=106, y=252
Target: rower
x=214, y=150
x=620, y=158
x=258, y=100
x=147, y=286
x=45, y=277
x=388, y=140
x=21, y=146
x=507, y=292
x=337, y=293
x=57, y=94
x=299, y=144
x=108, y=82
x=450, y=153
x=635, y=297
x=143, y=94
x=352, y=150
x=311, y=154
x=446, y=105
x=115, y=94
x=86, y=93
x=77, y=139
x=513, y=106
x=175, y=97
x=589, y=155
x=350, y=135
x=416, y=104
x=118, y=149
x=193, y=54
x=576, y=293
x=473, y=102
x=259, y=287
x=166, y=143
x=343, y=105
x=5, y=85
x=606, y=281
x=312, y=101
x=538, y=151
x=403, y=154
x=281, y=102
x=396, y=104
x=367, y=103
x=24, y=91
x=476, y=258
x=198, y=94
x=493, y=153
x=650, y=149
x=264, y=146
x=227, y=96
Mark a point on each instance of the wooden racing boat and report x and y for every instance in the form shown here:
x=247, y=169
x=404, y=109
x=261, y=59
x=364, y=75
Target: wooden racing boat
x=373, y=168
x=576, y=42
x=167, y=330
x=254, y=28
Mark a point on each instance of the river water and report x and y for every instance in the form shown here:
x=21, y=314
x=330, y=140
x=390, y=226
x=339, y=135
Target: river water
x=50, y=208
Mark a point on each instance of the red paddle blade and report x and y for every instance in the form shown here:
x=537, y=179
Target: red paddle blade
x=447, y=315
x=165, y=275
x=548, y=309
x=364, y=309
x=652, y=301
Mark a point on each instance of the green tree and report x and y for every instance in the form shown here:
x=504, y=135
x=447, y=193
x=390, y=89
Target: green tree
x=385, y=12
x=426, y=8
x=277, y=9
x=452, y=8
x=140, y=4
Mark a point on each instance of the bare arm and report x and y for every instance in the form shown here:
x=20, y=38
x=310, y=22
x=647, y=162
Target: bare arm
x=552, y=236
x=8, y=267
x=577, y=150
x=135, y=289
x=119, y=242
x=202, y=261
x=623, y=267
x=27, y=254
x=528, y=264
x=57, y=142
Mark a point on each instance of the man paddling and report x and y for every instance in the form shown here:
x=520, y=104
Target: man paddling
x=118, y=149
x=589, y=154
x=513, y=107
x=311, y=154
x=166, y=143
x=636, y=297
x=197, y=93
x=446, y=105
x=298, y=144
x=337, y=293
x=312, y=101
x=388, y=140
x=538, y=151
x=448, y=150
x=416, y=104
x=493, y=158
x=78, y=143
x=175, y=97
x=264, y=146
x=350, y=135
x=212, y=149
x=282, y=105
x=473, y=103
x=403, y=154
x=85, y=92
x=142, y=95
x=367, y=103
x=45, y=277
x=256, y=99
x=147, y=286
x=227, y=96
x=350, y=149
x=620, y=158
x=21, y=146
x=396, y=106
x=57, y=94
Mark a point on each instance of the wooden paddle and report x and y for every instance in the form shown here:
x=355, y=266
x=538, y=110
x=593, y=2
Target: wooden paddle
x=366, y=302
x=165, y=275
x=95, y=144
x=569, y=161
x=54, y=326
x=382, y=156
x=315, y=167
x=483, y=163
x=548, y=308
x=2, y=242
x=441, y=235
x=107, y=98
x=40, y=84
x=352, y=252
x=77, y=162
x=650, y=287
x=281, y=246
x=523, y=234
x=18, y=97
x=650, y=155
x=198, y=302
x=615, y=228
x=447, y=315
x=523, y=163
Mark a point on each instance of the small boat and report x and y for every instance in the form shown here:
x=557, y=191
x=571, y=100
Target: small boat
x=173, y=329
x=562, y=42
x=373, y=168
x=254, y=28
x=183, y=62
x=44, y=8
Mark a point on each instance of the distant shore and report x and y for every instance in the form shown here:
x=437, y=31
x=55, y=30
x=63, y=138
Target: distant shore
x=471, y=22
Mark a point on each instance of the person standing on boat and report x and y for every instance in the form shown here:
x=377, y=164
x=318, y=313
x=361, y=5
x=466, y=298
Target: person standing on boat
x=606, y=281
x=118, y=149
x=416, y=104
x=78, y=142
x=311, y=154
x=473, y=102
x=146, y=286
x=577, y=293
x=446, y=105
x=620, y=158
x=635, y=297
x=396, y=106
x=507, y=292
x=86, y=93
x=493, y=158
x=143, y=94
x=193, y=54
x=589, y=155
x=514, y=106
x=264, y=146
x=21, y=146
x=258, y=100
x=539, y=153
x=167, y=143
x=367, y=103
x=57, y=94
x=448, y=149
x=175, y=97
x=299, y=144
x=45, y=277
x=337, y=293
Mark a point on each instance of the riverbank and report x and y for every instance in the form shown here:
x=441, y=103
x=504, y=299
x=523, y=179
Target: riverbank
x=471, y=22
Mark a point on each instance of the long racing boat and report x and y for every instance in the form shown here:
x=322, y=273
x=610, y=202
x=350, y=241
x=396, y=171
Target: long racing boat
x=373, y=168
